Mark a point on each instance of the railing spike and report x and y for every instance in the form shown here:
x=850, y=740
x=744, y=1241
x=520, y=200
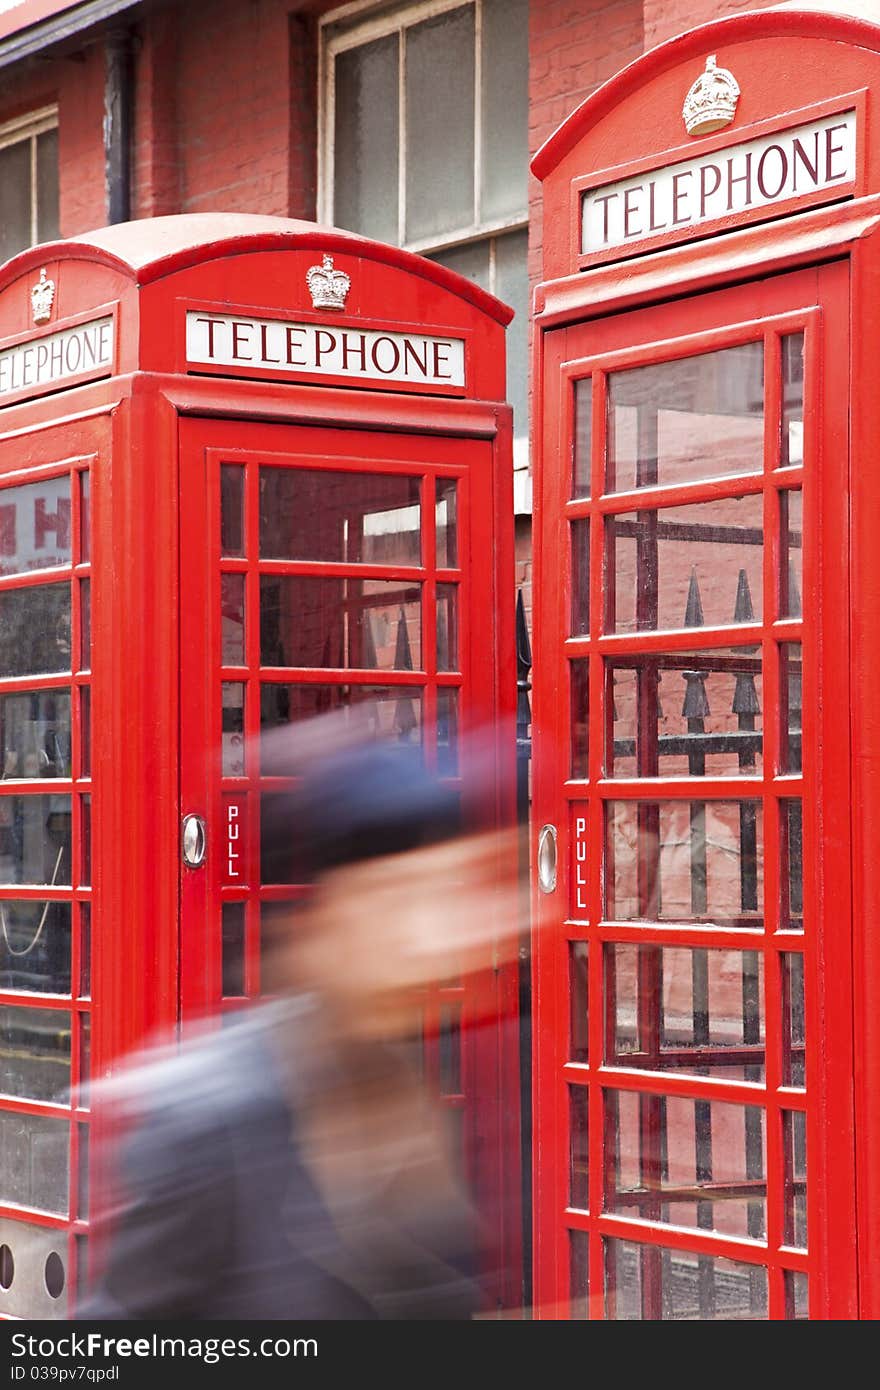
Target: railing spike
x=743, y=611
x=696, y=701
x=693, y=613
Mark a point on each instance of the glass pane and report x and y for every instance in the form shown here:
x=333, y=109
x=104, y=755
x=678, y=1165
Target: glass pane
x=512, y=286
x=82, y=1196
x=580, y=1282
x=440, y=124
x=85, y=516
x=85, y=812
x=365, y=139
x=233, y=729
x=47, y=186
x=698, y=417
x=583, y=437
x=680, y=861
x=472, y=261
x=85, y=730
x=683, y=1009
x=233, y=949
x=795, y=1158
x=15, y=198
x=697, y=1164
x=446, y=508
x=793, y=1024
x=350, y=518
x=685, y=566
x=449, y=1049
x=35, y=525
x=797, y=1295
x=580, y=718
x=578, y=956
x=231, y=509
x=85, y=625
x=447, y=731
x=35, y=839
x=389, y=712
x=792, y=918
x=580, y=577
x=447, y=627
x=232, y=619
x=35, y=946
x=85, y=1058
x=643, y=1282
x=579, y=1187
x=792, y=450
x=35, y=630
x=686, y=714
x=790, y=686
x=85, y=950
x=35, y=733
x=505, y=113
x=34, y=1161
x=791, y=567
x=35, y=1053
x=372, y=624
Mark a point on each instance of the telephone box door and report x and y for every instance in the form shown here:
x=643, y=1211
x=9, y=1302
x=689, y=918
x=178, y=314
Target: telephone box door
x=693, y=978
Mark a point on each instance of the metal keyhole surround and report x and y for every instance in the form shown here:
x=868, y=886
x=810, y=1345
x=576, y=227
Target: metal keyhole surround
x=194, y=841
x=547, y=858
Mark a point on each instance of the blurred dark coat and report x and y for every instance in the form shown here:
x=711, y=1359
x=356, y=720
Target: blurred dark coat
x=220, y=1217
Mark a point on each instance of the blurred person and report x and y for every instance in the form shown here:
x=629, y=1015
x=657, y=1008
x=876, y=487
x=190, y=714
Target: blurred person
x=291, y=1166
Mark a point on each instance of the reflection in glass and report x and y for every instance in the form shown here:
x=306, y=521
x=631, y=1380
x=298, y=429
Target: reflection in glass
x=85, y=813
x=372, y=624
x=699, y=1164
x=85, y=730
x=791, y=812
x=793, y=1019
x=580, y=577
x=685, y=566
x=580, y=1282
x=447, y=627
x=85, y=1057
x=231, y=509
x=791, y=563
x=329, y=515
x=34, y=1161
x=82, y=1199
x=447, y=730
x=233, y=949
x=580, y=717
x=35, y=1053
x=85, y=625
x=583, y=437
x=790, y=700
x=35, y=733
x=35, y=839
x=697, y=417
x=578, y=955
x=446, y=508
x=85, y=950
x=579, y=1187
x=797, y=1295
x=795, y=1159
x=792, y=442
x=233, y=728
x=688, y=1010
x=35, y=950
x=35, y=630
x=643, y=1282
x=35, y=531
x=85, y=516
x=232, y=618
x=382, y=711
x=686, y=714
x=681, y=861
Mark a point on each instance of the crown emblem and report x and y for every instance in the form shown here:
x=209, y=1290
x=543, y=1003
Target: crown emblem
x=711, y=101
x=42, y=298
x=327, y=286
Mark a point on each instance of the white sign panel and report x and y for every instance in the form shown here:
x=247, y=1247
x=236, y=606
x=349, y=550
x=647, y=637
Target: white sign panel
x=57, y=357
x=776, y=168
x=240, y=343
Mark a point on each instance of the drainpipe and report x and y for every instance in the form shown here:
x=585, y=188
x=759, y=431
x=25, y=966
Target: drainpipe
x=118, y=120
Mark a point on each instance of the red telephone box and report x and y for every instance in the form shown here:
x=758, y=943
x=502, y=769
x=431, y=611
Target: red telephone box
x=707, y=978
x=250, y=469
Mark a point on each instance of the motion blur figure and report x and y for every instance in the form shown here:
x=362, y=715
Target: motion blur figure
x=292, y=1165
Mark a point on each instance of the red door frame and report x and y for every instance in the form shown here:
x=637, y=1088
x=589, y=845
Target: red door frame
x=832, y=1257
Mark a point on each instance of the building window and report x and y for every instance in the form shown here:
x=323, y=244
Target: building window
x=28, y=181
x=424, y=143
